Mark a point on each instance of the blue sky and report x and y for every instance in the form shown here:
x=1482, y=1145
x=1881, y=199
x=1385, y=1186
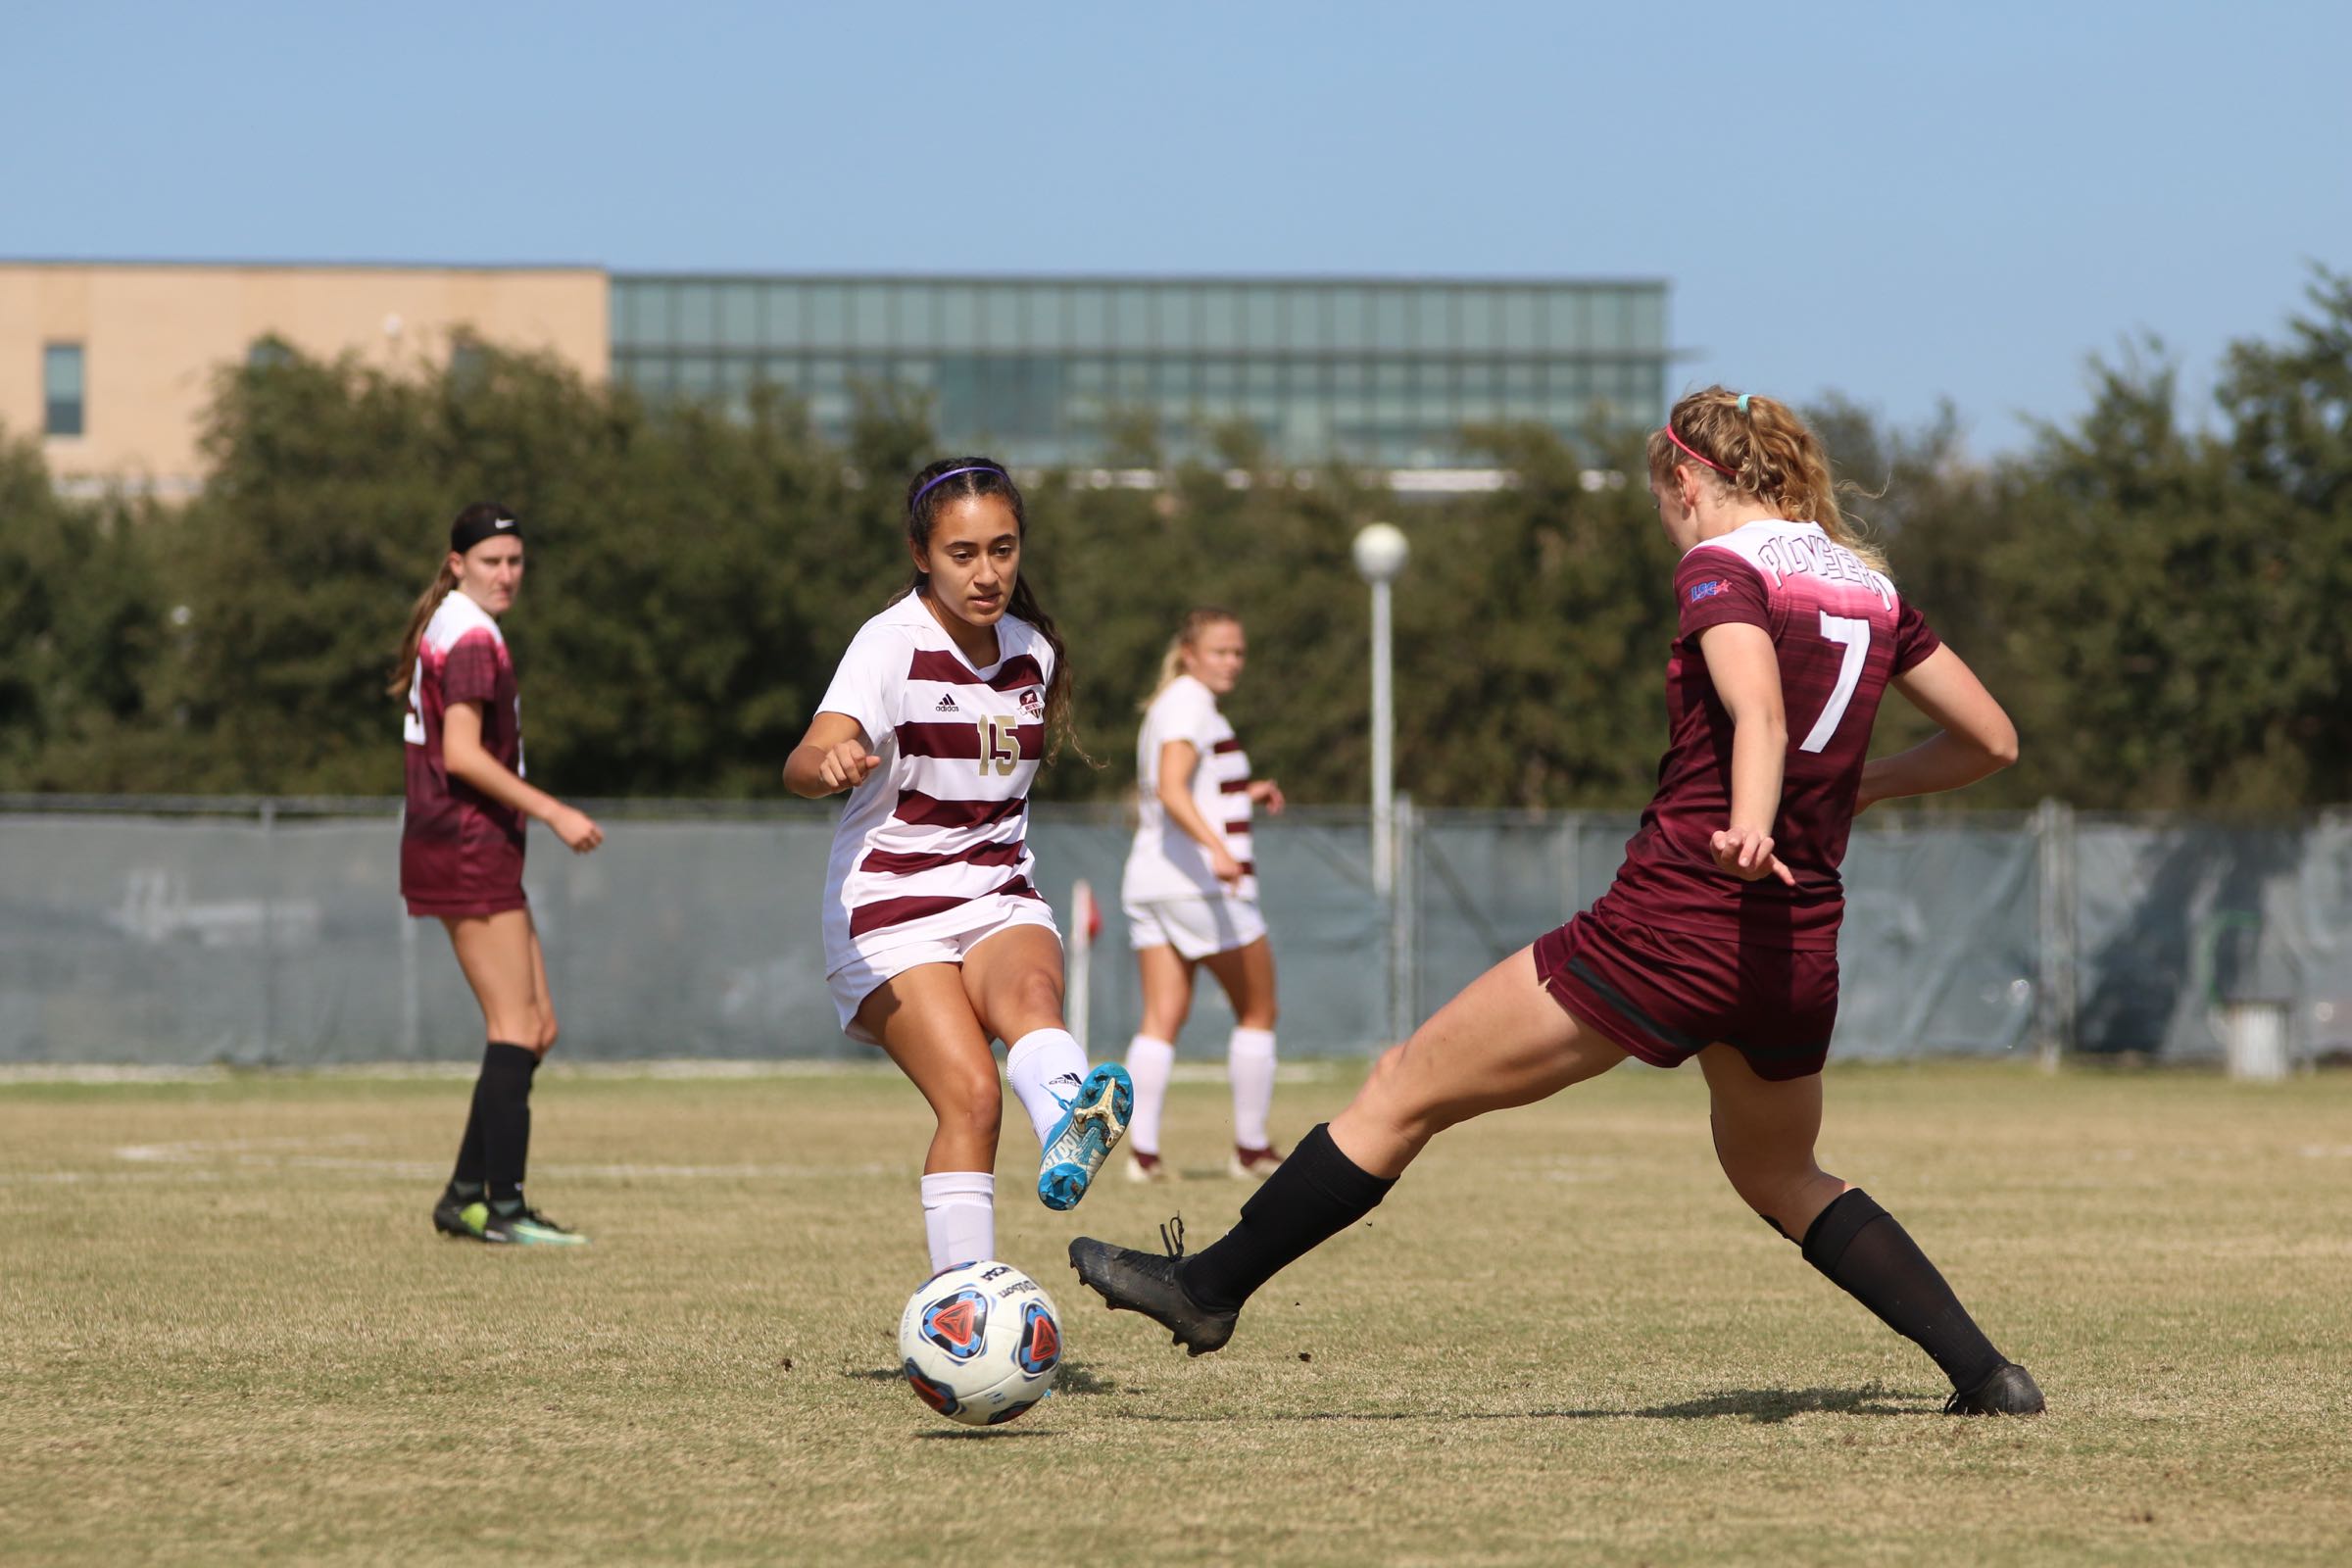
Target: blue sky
x=1902, y=202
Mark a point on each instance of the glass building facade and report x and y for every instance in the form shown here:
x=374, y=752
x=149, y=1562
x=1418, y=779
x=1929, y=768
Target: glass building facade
x=1042, y=372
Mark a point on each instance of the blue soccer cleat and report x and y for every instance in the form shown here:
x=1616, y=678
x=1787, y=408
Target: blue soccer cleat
x=1091, y=1124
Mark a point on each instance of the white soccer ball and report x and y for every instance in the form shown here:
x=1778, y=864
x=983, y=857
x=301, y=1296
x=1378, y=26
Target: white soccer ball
x=981, y=1342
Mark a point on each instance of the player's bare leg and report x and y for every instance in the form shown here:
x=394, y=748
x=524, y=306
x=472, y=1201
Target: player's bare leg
x=1764, y=1132
x=500, y=957
x=1764, y=1136
x=925, y=1024
x=1502, y=1042
x=1247, y=975
x=1013, y=979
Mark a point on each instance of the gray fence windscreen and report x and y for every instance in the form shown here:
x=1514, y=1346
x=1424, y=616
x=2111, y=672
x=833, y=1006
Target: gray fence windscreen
x=135, y=933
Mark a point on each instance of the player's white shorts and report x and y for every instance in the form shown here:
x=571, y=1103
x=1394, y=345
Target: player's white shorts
x=1196, y=926
x=983, y=917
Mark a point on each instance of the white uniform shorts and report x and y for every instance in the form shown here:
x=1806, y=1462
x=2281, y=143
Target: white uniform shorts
x=980, y=919
x=1197, y=926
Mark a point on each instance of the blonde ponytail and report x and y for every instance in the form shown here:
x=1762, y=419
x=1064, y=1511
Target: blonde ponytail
x=1759, y=447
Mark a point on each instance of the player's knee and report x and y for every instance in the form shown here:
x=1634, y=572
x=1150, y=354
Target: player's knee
x=1774, y=1191
x=547, y=1031
x=1384, y=1090
x=976, y=1107
x=1038, y=995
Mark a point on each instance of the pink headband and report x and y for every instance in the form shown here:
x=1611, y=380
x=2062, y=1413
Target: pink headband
x=1686, y=446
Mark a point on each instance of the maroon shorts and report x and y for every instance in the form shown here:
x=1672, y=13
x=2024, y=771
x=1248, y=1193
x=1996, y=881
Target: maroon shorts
x=478, y=872
x=1665, y=996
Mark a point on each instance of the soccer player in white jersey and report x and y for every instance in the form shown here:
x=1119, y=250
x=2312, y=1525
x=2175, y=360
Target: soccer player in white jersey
x=1190, y=891
x=460, y=858
x=936, y=937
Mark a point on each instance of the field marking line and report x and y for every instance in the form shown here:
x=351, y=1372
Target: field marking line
x=671, y=1071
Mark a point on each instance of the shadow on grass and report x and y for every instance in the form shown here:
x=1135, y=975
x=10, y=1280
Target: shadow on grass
x=1074, y=1379
x=1761, y=1406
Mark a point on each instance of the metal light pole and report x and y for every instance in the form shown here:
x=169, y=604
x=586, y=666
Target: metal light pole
x=1380, y=552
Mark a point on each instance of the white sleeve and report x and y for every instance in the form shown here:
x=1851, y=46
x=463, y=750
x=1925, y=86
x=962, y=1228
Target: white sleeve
x=867, y=681
x=1191, y=716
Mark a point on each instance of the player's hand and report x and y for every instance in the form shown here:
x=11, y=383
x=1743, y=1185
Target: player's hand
x=845, y=766
x=1746, y=854
x=578, y=830
x=1266, y=793
x=1225, y=869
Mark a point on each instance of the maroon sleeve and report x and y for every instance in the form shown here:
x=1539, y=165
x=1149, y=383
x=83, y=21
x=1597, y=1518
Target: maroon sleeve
x=469, y=674
x=1914, y=637
x=1715, y=587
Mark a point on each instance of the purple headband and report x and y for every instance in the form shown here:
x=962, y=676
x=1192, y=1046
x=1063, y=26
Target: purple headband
x=977, y=468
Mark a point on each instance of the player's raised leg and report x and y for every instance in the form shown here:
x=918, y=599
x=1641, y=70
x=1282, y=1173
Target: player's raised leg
x=1764, y=1136
x=1013, y=979
x=925, y=1024
x=1504, y=1042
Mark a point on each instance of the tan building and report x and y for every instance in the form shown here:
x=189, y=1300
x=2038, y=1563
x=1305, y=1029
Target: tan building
x=113, y=362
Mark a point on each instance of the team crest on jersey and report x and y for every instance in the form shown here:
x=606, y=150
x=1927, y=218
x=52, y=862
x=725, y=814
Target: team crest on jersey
x=1031, y=703
x=1705, y=590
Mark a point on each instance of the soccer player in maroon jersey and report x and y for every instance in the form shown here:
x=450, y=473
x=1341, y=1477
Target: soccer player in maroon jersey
x=1718, y=938
x=460, y=858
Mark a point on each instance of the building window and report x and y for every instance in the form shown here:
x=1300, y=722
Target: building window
x=62, y=388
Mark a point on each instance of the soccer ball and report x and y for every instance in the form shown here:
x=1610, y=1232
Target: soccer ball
x=981, y=1342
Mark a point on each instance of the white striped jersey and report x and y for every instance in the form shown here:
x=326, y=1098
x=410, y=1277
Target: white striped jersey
x=943, y=821
x=1166, y=863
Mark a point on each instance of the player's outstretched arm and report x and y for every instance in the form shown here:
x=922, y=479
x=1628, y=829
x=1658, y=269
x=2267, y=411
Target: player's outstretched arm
x=463, y=756
x=834, y=755
x=1975, y=738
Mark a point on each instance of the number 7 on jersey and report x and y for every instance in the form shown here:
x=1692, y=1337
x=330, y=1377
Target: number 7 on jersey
x=1852, y=634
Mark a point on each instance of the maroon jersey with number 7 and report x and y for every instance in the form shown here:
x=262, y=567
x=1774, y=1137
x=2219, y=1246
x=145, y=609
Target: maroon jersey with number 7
x=1841, y=633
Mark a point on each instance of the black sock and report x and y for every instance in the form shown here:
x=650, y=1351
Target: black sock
x=467, y=1180
x=1868, y=1255
x=502, y=1104
x=1312, y=1195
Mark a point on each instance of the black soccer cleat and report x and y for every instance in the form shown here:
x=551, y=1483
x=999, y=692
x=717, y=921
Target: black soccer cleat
x=1133, y=1281
x=2010, y=1390
x=449, y=1216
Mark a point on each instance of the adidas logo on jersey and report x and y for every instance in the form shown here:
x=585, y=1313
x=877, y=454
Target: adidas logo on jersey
x=947, y=705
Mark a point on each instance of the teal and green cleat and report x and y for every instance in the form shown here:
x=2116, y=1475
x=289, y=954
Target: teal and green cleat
x=525, y=1227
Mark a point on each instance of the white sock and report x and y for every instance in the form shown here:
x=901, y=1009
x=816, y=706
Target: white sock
x=1148, y=1062
x=1250, y=1062
x=959, y=1217
x=1045, y=1067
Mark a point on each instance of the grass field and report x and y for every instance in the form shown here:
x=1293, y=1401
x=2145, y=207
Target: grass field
x=230, y=1336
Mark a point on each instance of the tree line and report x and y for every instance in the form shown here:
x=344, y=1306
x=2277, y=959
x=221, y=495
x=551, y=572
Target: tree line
x=2157, y=594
